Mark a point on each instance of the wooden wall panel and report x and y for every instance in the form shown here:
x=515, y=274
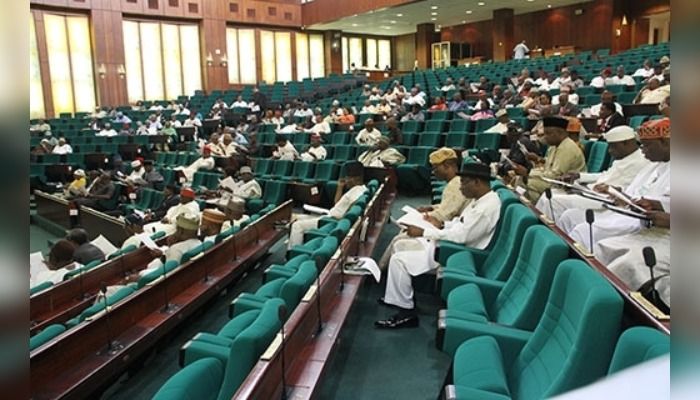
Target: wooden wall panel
x=43, y=61
x=320, y=11
x=477, y=34
x=502, y=34
x=404, y=52
x=108, y=49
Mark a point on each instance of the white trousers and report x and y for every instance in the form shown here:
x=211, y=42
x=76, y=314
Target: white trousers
x=410, y=257
x=302, y=225
x=562, y=201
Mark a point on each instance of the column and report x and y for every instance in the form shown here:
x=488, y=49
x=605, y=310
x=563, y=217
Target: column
x=333, y=52
x=503, y=41
x=425, y=37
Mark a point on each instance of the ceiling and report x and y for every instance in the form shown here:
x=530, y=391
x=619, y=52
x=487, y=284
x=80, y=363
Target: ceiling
x=403, y=19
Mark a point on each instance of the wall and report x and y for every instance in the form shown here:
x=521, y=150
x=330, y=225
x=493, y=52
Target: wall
x=404, y=52
x=213, y=16
x=477, y=34
x=320, y=11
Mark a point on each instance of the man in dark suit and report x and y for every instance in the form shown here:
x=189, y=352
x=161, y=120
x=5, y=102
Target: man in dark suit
x=86, y=252
x=565, y=108
x=609, y=117
x=170, y=199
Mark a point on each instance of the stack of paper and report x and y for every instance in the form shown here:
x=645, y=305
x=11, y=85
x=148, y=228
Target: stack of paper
x=105, y=245
x=414, y=218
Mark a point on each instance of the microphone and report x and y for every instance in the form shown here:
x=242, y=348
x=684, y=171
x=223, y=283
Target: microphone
x=650, y=261
x=590, y=218
x=548, y=194
x=282, y=315
x=80, y=284
x=112, y=345
x=167, y=308
x=318, y=300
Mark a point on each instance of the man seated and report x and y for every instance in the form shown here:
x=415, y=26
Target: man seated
x=605, y=97
x=101, y=189
x=353, y=183
x=315, y=151
x=645, y=71
x=180, y=242
x=44, y=147
x=609, y=117
x=414, y=98
x=171, y=198
x=320, y=127
x=41, y=126
x=85, y=252
x=449, y=85
x=502, y=124
x=565, y=108
x=285, y=149
x=369, y=135
x=394, y=132
x=519, y=146
x=381, y=155
x=137, y=172
x=563, y=156
x=416, y=114
x=621, y=78
x=367, y=108
x=235, y=213
x=415, y=255
x=133, y=226
x=483, y=100
x=628, y=160
x=210, y=226
x=247, y=187
x=187, y=204
x=239, y=103
x=216, y=146
x=77, y=187
x=650, y=189
x=59, y=263
x=484, y=112
x=438, y=104
x=600, y=81
x=457, y=104
x=62, y=147
x=204, y=163
x=107, y=131
x=652, y=93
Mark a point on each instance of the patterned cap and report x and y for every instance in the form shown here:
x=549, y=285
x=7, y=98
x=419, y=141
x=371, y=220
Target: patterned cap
x=656, y=129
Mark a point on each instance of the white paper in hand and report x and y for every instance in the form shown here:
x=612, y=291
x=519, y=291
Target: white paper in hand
x=148, y=242
x=316, y=210
x=414, y=218
x=105, y=245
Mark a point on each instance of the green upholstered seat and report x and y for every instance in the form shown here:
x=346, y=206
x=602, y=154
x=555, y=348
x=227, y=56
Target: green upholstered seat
x=157, y=273
x=40, y=287
x=496, y=264
x=598, y=158
x=98, y=307
x=520, y=300
x=637, y=345
x=570, y=347
x=337, y=229
x=414, y=175
x=45, y=335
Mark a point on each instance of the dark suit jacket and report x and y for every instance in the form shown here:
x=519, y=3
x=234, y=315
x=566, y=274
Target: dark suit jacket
x=87, y=252
x=569, y=110
x=165, y=206
x=614, y=120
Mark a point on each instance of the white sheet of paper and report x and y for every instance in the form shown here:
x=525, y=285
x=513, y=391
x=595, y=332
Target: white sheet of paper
x=148, y=242
x=617, y=194
x=105, y=245
x=414, y=218
x=367, y=266
x=228, y=183
x=36, y=263
x=316, y=210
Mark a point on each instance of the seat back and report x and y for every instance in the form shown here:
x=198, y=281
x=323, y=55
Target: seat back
x=637, y=345
x=275, y=192
x=247, y=347
x=326, y=170
x=111, y=300
x=574, y=341
x=522, y=299
x=597, y=157
x=418, y=155
x=302, y=169
x=293, y=289
x=325, y=251
x=45, y=335
x=503, y=255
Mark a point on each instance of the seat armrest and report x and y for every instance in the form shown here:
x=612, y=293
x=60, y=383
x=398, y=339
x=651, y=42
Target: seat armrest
x=445, y=249
x=489, y=288
x=510, y=340
x=245, y=302
x=196, y=350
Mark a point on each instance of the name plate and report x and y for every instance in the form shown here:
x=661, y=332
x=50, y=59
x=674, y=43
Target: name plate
x=309, y=294
x=583, y=250
x=647, y=305
x=272, y=349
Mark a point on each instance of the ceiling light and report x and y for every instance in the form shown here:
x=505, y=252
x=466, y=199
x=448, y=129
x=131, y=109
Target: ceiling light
x=469, y=11
x=386, y=27
x=481, y=3
x=433, y=7
x=399, y=15
x=433, y=19
x=433, y=13
x=393, y=22
x=549, y=6
x=354, y=24
x=464, y=21
x=530, y=1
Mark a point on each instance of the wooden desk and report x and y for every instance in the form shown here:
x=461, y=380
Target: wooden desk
x=559, y=51
x=304, y=193
x=375, y=75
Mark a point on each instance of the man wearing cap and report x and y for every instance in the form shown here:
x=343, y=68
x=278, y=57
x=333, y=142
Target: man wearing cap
x=621, y=78
x=502, y=124
x=235, y=213
x=652, y=93
x=204, y=163
x=601, y=80
x=381, y=155
x=645, y=71
x=605, y=97
x=100, y=189
x=285, y=149
x=151, y=176
x=247, y=187
x=133, y=225
x=563, y=156
x=320, y=127
x=77, y=186
x=180, y=242
x=353, y=187
x=576, y=130
x=187, y=204
x=62, y=147
x=137, y=172
x=650, y=189
x=564, y=108
x=415, y=256
x=369, y=136
x=212, y=220
x=315, y=151
x=628, y=160
x=107, y=131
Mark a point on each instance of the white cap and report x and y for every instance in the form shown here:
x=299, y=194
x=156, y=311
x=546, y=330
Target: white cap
x=620, y=134
x=135, y=164
x=79, y=172
x=500, y=113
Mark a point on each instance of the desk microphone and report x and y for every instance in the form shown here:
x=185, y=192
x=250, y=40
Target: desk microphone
x=167, y=308
x=650, y=261
x=590, y=218
x=112, y=345
x=548, y=194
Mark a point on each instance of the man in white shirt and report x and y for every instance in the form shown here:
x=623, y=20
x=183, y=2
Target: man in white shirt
x=520, y=51
x=501, y=126
x=415, y=256
x=59, y=263
x=653, y=93
x=174, y=122
x=247, y=187
x=369, y=135
x=153, y=125
x=353, y=182
x=137, y=172
x=316, y=151
x=303, y=111
x=204, y=163
x=381, y=155
x=210, y=226
x=542, y=79
x=646, y=70
x=601, y=80
x=658, y=74
x=483, y=98
x=167, y=223
x=573, y=98
x=621, y=79
x=107, y=131
x=563, y=79
x=240, y=103
x=62, y=147
x=449, y=85
x=651, y=186
x=414, y=98
x=192, y=120
x=628, y=161
x=285, y=149
x=121, y=118
x=181, y=110
x=320, y=127
x=235, y=213
x=605, y=97
x=133, y=225
x=180, y=242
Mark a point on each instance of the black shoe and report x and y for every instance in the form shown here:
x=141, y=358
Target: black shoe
x=383, y=303
x=398, y=321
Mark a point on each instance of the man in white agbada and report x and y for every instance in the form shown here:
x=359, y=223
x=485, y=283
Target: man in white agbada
x=235, y=213
x=316, y=151
x=353, y=182
x=628, y=160
x=381, y=155
x=212, y=221
x=183, y=240
x=501, y=126
x=285, y=149
x=520, y=51
x=370, y=135
x=59, y=263
x=651, y=185
x=415, y=256
x=133, y=225
x=247, y=187
x=187, y=205
x=137, y=172
x=204, y=163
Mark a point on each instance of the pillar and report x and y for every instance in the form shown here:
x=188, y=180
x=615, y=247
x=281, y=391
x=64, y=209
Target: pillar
x=425, y=37
x=503, y=41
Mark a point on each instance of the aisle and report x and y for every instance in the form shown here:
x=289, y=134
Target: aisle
x=386, y=364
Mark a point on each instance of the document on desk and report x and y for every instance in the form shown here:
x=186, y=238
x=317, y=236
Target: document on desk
x=413, y=217
x=105, y=245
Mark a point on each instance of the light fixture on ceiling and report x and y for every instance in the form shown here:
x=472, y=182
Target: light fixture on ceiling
x=433, y=13
x=464, y=21
x=530, y=1
x=481, y=3
x=386, y=27
x=549, y=6
x=469, y=11
x=624, y=20
x=433, y=19
x=354, y=24
x=399, y=15
x=433, y=7
x=393, y=22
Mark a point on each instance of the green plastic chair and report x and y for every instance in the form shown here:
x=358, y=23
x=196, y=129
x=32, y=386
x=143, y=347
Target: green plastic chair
x=40, y=287
x=45, y=335
x=337, y=229
x=495, y=264
x=570, y=347
x=414, y=175
x=100, y=306
x=637, y=345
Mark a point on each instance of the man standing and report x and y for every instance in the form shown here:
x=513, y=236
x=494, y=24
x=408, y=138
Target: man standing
x=520, y=51
x=628, y=161
x=353, y=182
x=563, y=156
x=414, y=256
x=651, y=189
x=381, y=155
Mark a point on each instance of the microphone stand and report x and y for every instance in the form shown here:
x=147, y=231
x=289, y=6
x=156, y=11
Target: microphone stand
x=650, y=261
x=318, y=303
x=112, y=345
x=284, y=379
x=167, y=308
x=548, y=193
x=590, y=218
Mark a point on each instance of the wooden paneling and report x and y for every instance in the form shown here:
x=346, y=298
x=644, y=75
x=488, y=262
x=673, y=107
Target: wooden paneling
x=333, y=61
x=477, y=34
x=502, y=33
x=425, y=37
x=320, y=11
x=43, y=61
x=108, y=48
x=404, y=52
